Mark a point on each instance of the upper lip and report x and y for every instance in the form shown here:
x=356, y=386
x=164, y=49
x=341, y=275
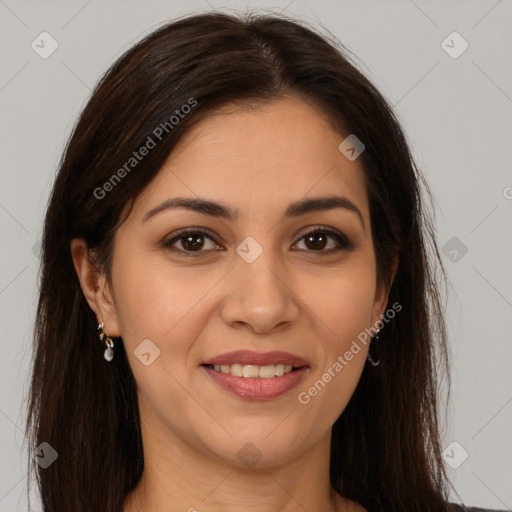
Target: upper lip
x=257, y=358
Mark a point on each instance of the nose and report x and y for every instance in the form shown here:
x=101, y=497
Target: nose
x=260, y=295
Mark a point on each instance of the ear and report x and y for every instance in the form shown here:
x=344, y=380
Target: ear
x=95, y=287
x=382, y=292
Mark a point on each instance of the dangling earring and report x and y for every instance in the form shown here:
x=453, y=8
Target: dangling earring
x=369, y=357
x=109, y=352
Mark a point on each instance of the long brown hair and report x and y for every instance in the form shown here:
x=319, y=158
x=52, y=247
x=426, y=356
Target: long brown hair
x=385, y=451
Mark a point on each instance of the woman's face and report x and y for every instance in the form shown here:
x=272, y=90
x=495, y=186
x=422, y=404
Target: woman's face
x=253, y=283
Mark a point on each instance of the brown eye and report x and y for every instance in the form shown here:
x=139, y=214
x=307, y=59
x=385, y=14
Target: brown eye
x=317, y=241
x=190, y=242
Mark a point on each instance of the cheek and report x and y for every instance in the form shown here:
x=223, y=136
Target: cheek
x=342, y=300
x=327, y=391
x=326, y=395
x=343, y=304
x=164, y=306
x=168, y=306
x=153, y=299
x=161, y=303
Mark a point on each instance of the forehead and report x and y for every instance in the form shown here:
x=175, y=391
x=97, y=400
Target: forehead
x=258, y=160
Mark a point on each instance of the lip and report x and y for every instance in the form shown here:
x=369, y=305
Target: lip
x=258, y=359
x=257, y=389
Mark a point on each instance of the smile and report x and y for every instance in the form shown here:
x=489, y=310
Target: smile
x=256, y=375
x=249, y=371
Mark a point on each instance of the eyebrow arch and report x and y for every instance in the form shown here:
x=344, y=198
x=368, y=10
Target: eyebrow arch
x=214, y=209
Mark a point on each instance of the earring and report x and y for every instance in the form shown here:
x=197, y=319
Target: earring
x=369, y=357
x=109, y=352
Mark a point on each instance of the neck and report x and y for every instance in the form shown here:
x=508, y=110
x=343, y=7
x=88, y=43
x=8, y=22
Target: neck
x=178, y=477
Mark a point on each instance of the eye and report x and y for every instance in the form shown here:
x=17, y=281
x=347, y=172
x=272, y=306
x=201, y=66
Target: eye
x=316, y=240
x=191, y=241
x=194, y=241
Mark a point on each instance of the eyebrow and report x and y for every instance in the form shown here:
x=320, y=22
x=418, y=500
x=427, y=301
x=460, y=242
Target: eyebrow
x=214, y=209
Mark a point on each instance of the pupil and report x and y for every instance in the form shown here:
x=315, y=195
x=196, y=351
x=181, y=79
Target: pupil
x=191, y=242
x=313, y=237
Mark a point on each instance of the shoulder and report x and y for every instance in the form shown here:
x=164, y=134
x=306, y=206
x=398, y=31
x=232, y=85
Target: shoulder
x=455, y=507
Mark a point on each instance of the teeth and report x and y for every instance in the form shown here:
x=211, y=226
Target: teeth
x=237, y=370
x=251, y=371
x=265, y=372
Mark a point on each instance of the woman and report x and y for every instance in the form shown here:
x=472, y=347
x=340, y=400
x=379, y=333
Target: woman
x=237, y=309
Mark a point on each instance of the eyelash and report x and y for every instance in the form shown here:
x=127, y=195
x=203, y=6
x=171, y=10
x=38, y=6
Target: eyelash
x=343, y=241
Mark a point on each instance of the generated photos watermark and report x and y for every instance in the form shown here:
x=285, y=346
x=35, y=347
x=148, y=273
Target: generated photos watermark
x=304, y=397
x=151, y=142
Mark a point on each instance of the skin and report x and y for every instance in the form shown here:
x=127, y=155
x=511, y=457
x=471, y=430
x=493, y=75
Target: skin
x=299, y=300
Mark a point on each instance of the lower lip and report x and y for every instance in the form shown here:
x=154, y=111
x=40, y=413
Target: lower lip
x=257, y=389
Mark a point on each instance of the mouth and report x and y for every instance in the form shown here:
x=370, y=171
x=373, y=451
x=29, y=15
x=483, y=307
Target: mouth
x=250, y=371
x=256, y=376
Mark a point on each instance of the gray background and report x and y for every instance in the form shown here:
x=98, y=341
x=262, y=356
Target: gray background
x=456, y=112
